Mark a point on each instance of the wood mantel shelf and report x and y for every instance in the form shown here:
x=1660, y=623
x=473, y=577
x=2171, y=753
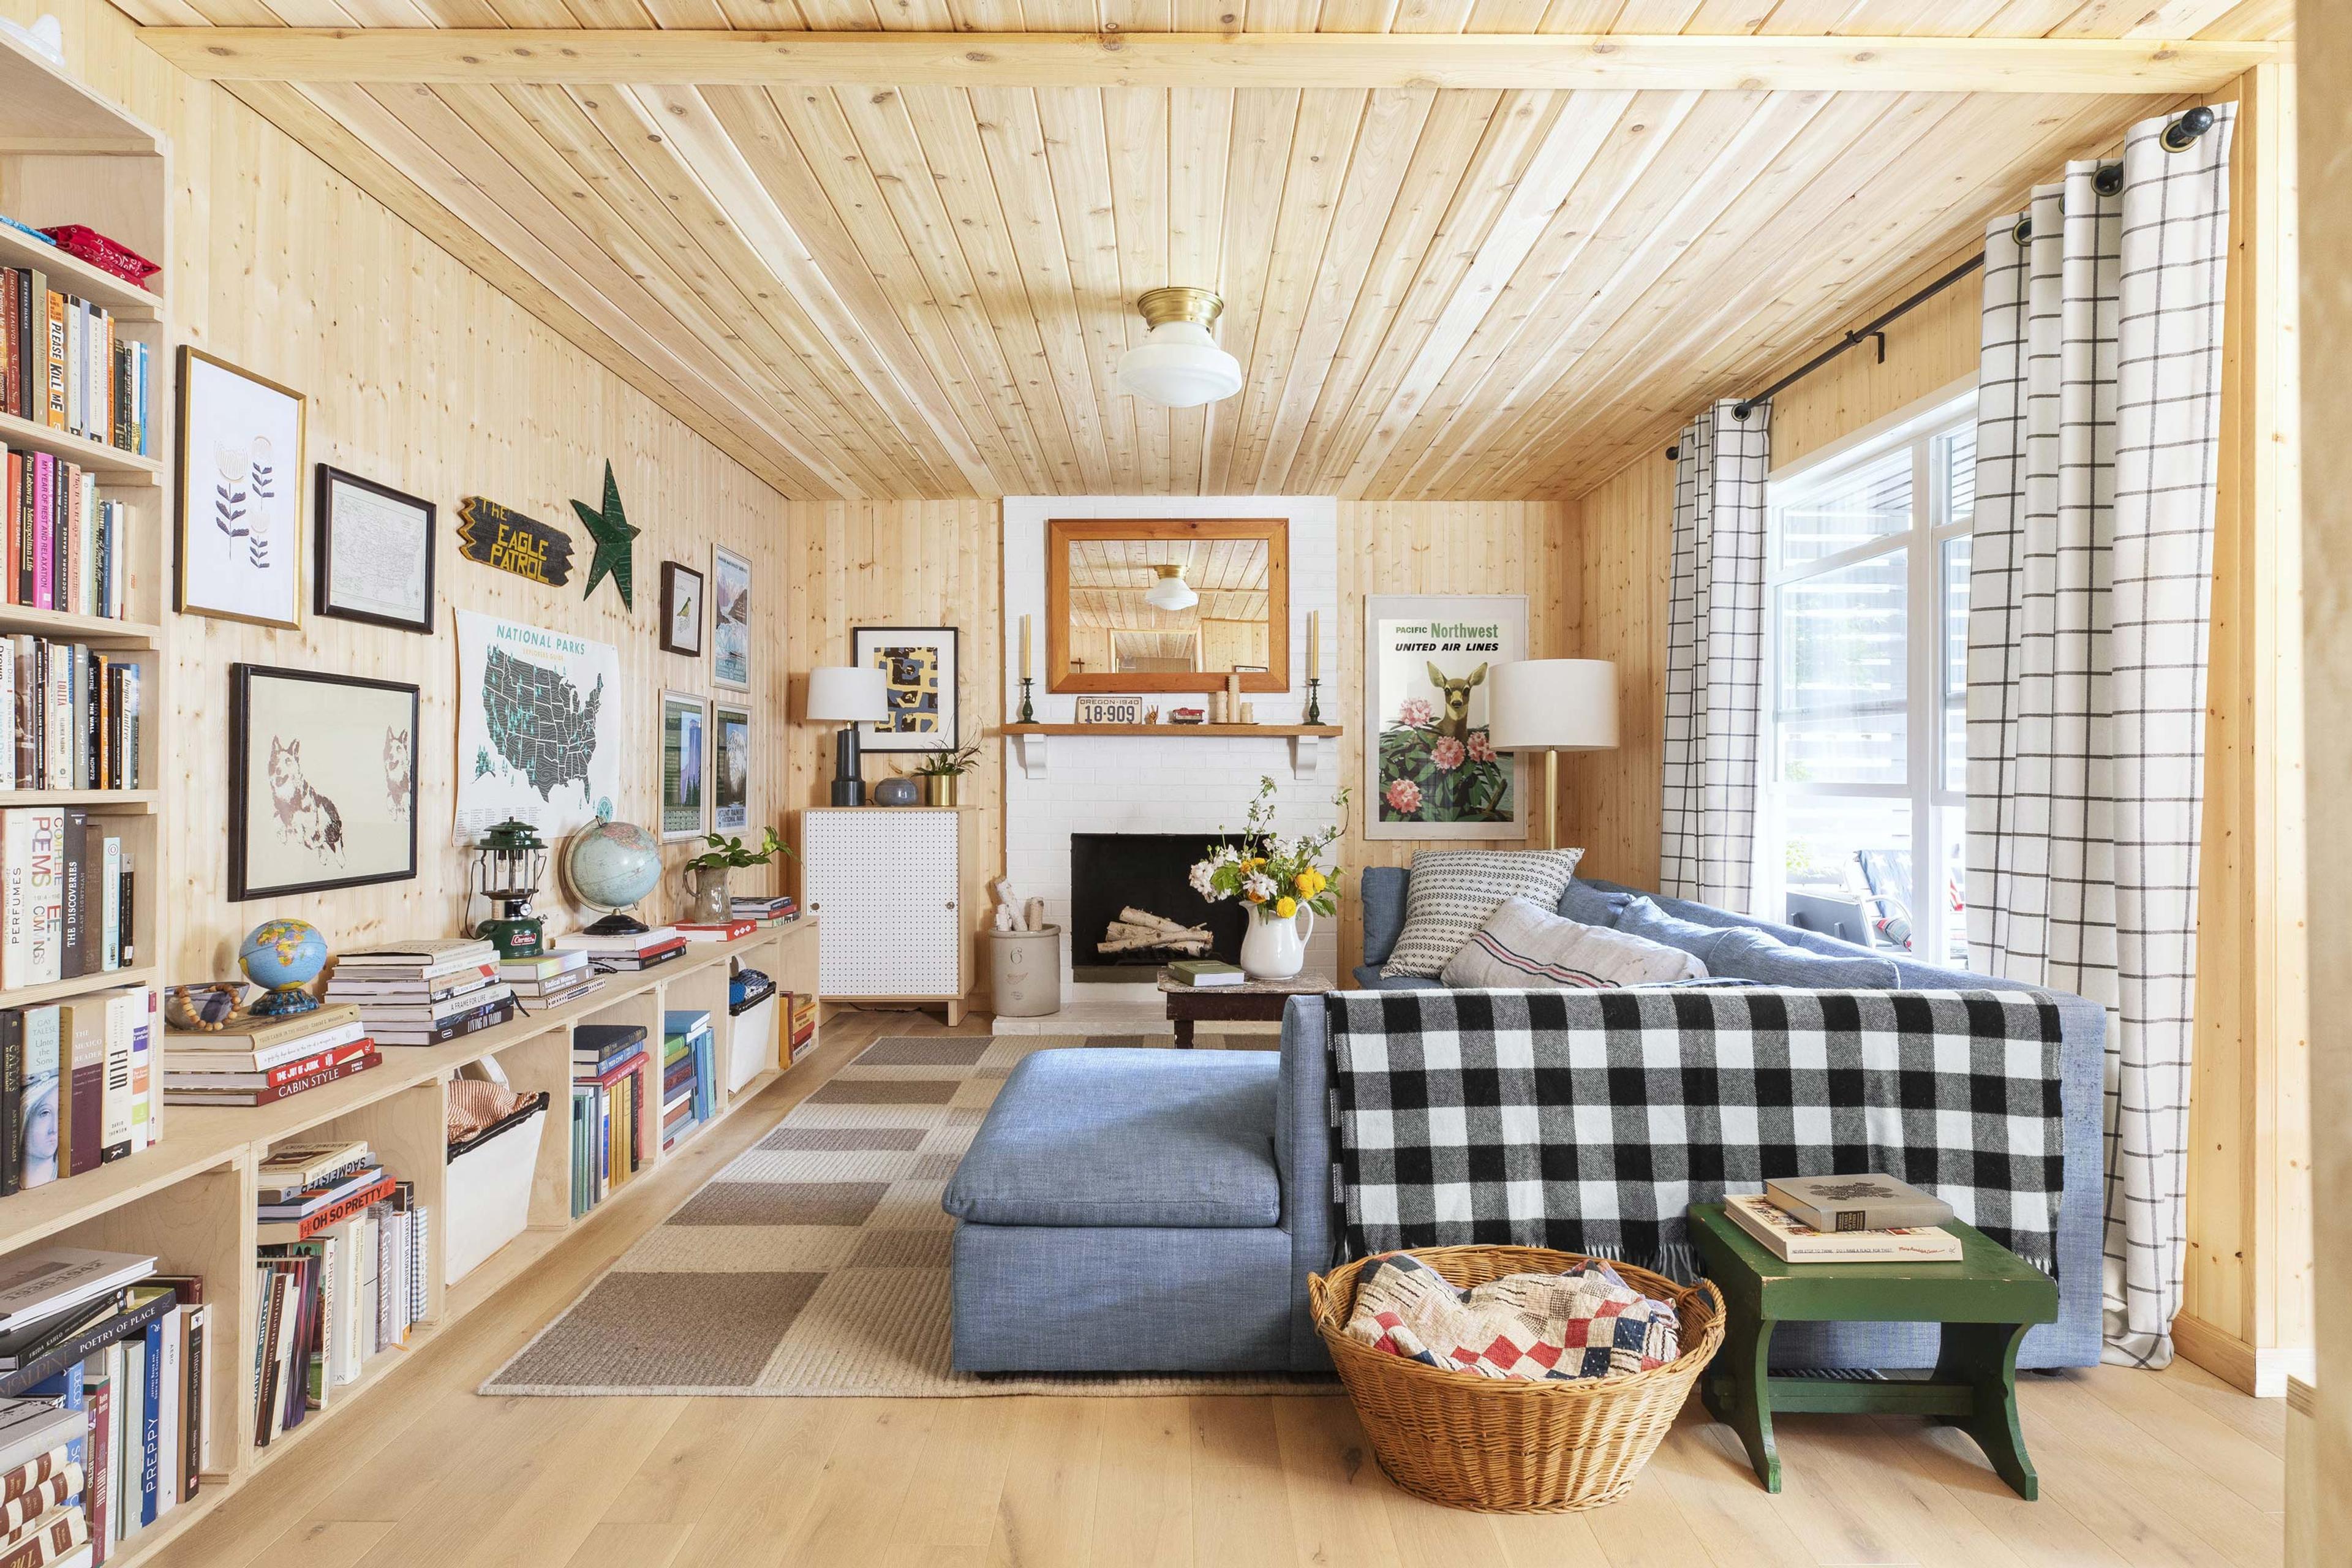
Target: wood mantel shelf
x=1306, y=740
x=1332, y=731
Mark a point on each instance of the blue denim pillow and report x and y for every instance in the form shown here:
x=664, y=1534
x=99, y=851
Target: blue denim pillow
x=1746, y=954
x=1588, y=905
x=1642, y=917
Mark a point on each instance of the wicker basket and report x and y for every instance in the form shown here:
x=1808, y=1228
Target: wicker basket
x=1511, y=1446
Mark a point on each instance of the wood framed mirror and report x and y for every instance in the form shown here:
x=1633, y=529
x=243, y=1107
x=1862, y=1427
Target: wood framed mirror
x=1113, y=624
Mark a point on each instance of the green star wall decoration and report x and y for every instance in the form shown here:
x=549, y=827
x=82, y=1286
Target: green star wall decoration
x=611, y=532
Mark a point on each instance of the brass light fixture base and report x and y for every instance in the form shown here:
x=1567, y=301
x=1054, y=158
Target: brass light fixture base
x=1180, y=302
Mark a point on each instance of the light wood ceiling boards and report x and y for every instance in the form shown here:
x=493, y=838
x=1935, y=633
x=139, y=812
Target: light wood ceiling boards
x=922, y=288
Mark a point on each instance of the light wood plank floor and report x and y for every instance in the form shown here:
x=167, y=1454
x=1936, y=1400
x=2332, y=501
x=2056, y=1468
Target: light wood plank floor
x=2136, y=1468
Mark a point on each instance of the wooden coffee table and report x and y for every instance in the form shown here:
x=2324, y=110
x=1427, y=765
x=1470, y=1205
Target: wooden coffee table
x=1251, y=1001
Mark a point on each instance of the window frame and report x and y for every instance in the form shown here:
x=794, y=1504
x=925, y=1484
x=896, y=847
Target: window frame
x=1938, y=811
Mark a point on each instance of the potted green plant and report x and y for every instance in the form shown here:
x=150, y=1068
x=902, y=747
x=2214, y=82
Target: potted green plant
x=710, y=900
x=942, y=769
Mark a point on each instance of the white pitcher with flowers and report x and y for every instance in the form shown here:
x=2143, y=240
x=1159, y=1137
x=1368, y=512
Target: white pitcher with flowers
x=1284, y=881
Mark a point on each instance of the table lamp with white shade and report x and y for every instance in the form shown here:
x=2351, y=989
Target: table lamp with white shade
x=1552, y=705
x=849, y=696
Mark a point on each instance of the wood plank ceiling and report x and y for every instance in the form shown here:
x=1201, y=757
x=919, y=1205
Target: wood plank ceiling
x=924, y=291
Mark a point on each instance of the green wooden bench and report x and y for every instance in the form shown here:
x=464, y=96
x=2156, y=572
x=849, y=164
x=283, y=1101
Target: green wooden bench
x=1985, y=1303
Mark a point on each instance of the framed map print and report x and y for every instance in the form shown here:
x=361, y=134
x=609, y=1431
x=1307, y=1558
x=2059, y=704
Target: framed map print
x=1432, y=772
x=684, y=758
x=375, y=553
x=730, y=619
x=730, y=768
x=919, y=674
x=323, y=782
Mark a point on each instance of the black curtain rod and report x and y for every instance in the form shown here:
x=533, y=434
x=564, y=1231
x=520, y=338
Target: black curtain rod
x=2177, y=137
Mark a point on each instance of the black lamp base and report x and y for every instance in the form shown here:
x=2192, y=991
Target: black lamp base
x=848, y=779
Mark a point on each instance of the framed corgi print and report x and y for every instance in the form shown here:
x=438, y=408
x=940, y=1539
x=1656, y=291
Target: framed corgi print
x=238, y=552
x=323, y=782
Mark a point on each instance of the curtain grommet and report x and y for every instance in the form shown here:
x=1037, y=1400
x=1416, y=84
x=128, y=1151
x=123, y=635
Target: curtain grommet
x=2182, y=133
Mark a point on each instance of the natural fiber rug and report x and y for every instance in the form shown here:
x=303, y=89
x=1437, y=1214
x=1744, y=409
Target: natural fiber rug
x=817, y=1262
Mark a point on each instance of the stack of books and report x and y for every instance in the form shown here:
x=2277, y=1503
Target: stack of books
x=611, y=1140
x=765, y=912
x=64, y=364
x=689, y=1075
x=801, y=1020
x=105, y=1400
x=76, y=1085
x=339, y=1277
x=424, y=993
x=548, y=980
x=259, y=1061
x=77, y=714
x=625, y=952
x=1846, y=1219
x=1205, y=973
x=717, y=930
x=65, y=895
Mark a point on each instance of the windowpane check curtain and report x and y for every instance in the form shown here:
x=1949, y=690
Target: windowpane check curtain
x=2097, y=442
x=1715, y=644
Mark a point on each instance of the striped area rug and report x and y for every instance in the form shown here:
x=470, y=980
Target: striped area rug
x=816, y=1263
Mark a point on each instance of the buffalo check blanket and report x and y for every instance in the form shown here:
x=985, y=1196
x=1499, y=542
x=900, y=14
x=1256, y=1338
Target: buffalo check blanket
x=1589, y=1121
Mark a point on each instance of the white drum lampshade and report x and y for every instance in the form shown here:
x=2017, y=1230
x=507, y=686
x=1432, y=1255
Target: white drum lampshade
x=1552, y=705
x=846, y=695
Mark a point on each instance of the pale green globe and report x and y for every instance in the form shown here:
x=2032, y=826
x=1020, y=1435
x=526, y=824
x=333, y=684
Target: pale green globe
x=612, y=865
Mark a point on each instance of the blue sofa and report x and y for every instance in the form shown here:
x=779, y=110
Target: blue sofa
x=1155, y=1210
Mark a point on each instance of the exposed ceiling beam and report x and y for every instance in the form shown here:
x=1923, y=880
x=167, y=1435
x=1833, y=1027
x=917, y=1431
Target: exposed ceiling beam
x=482, y=57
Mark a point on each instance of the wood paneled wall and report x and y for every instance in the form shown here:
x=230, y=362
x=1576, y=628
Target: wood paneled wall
x=421, y=376
x=2248, y=1289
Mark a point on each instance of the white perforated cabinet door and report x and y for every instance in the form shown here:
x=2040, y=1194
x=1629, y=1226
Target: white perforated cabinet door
x=884, y=885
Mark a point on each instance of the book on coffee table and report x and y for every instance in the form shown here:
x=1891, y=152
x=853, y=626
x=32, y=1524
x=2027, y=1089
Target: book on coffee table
x=1793, y=1241
x=1205, y=972
x=1871, y=1202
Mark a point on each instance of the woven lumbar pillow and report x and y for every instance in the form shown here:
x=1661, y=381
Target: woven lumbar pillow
x=1453, y=892
x=1587, y=1324
x=1522, y=944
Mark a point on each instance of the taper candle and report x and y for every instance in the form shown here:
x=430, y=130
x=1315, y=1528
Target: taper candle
x=1025, y=647
x=1314, y=643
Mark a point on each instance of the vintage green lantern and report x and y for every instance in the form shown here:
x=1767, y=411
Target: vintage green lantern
x=508, y=865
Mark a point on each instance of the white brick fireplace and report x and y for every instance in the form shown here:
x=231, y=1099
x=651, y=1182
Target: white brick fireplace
x=1141, y=783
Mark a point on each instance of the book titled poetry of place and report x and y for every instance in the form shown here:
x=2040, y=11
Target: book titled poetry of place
x=1857, y=1203
x=1793, y=1241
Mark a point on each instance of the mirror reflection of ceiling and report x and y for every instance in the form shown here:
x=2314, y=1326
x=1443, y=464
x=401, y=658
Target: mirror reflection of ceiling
x=1108, y=578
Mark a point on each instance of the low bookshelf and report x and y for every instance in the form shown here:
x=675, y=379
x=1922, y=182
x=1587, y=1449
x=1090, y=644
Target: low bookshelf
x=191, y=1199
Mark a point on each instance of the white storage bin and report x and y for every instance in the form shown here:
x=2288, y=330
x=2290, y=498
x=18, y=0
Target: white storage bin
x=487, y=1197
x=751, y=1042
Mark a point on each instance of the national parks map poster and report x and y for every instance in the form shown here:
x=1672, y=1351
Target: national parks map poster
x=539, y=717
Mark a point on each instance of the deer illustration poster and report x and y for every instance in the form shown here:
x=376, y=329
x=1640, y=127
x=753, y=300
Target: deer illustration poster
x=240, y=494
x=1428, y=660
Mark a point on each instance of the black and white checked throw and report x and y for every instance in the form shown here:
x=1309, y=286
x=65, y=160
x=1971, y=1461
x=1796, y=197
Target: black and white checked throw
x=1590, y=1120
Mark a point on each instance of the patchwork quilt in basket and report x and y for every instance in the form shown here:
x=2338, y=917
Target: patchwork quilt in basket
x=1590, y=1120
x=1588, y=1323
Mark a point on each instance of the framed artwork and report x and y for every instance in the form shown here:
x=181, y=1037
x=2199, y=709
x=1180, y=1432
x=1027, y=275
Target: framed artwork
x=919, y=671
x=322, y=780
x=375, y=553
x=730, y=768
x=239, y=537
x=681, y=630
x=730, y=619
x=685, y=746
x=1433, y=774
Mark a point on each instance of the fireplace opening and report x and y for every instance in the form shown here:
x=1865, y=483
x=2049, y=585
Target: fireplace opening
x=1150, y=873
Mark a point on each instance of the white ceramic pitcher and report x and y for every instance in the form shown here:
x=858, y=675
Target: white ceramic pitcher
x=1273, y=948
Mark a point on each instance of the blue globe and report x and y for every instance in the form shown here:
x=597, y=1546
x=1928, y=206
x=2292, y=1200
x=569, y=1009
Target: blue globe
x=284, y=957
x=612, y=865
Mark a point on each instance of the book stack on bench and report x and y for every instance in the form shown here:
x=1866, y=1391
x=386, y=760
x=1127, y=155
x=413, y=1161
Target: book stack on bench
x=625, y=952
x=1863, y=1218
x=339, y=1276
x=549, y=980
x=260, y=1061
x=424, y=993
x=609, y=1132
x=773, y=911
x=106, y=1373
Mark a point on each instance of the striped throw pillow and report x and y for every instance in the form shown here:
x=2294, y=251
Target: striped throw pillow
x=1454, y=890
x=1522, y=946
